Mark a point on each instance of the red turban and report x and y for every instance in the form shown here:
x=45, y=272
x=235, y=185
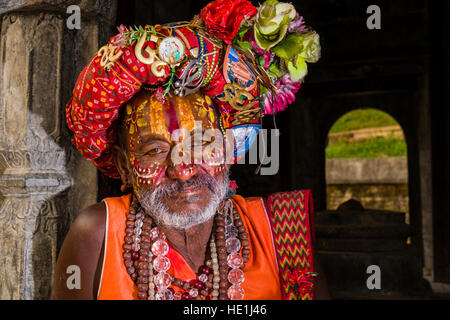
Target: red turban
x=180, y=58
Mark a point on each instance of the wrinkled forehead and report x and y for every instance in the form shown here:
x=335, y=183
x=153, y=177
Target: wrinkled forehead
x=150, y=114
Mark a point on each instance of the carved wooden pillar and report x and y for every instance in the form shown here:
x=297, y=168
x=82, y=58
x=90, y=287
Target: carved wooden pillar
x=44, y=183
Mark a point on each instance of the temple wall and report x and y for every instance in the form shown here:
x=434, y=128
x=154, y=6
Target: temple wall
x=378, y=183
x=44, y=183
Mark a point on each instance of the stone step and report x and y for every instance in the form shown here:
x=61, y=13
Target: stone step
x=366, y=217
x=395, y=231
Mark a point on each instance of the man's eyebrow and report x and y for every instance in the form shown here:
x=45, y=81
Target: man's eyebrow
x=153, y=139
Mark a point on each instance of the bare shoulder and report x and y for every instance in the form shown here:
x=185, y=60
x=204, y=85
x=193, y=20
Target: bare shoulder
x=91, y=221
x=82, y=248
x=88, y=229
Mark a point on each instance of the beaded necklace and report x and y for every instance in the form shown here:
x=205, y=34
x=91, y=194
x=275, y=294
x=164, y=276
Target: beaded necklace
x=220, y=278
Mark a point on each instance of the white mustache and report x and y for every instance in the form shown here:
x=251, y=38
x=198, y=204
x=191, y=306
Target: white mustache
x=152, y=201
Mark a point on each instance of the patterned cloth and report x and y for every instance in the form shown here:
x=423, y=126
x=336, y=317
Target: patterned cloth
x=99, y=93
x=291, y=215
x=232, y=52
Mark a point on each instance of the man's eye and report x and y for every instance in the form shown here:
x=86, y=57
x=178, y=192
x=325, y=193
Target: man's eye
x=154, y=151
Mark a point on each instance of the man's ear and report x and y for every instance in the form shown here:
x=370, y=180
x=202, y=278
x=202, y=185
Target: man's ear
x=122, y=165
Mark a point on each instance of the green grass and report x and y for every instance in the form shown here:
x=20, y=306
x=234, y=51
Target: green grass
x=371, y=148
x=361, y=119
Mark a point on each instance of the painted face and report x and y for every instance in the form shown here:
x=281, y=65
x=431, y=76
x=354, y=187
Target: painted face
x=174, y=141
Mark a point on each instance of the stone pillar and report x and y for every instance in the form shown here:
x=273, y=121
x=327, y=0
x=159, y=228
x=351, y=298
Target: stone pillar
x=44, y=183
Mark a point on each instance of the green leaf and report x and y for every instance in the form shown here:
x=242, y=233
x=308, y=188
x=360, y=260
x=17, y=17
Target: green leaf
x=289, y=47
x=275, y=70
x=270, y=2
x=297, y=68
x=242, y=31
x=261, y=61
x=262, y=90
x=244, y=45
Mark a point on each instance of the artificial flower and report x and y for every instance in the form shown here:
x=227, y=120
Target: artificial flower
x=311, y=49
x=306, y=44
x=223, y=18
x=297, y=25
x=290, y=47
x=120, y=40
x=301, y=281
x=277, y=69
x=233, y=185
x=159, y=95
x=267, y=56
x=272, y=22
x=296, y=50
x=286, y=90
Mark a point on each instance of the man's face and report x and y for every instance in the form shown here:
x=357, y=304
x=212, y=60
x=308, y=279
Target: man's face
x=178, y=174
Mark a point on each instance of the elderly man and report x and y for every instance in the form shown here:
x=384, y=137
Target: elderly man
x=167, y=109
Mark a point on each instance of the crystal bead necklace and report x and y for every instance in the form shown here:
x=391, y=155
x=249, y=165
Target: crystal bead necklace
x=220, y=278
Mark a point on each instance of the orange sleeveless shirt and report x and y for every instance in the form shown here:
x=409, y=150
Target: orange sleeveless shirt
x=262, y=279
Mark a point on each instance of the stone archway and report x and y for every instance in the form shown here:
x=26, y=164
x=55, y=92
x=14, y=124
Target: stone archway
x=367, y=221
x=366, y=160
x=323, y=104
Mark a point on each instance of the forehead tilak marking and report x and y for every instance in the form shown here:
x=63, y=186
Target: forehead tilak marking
x=157, y=118
x=185, y=115
x=140, y=115
x=171, y=116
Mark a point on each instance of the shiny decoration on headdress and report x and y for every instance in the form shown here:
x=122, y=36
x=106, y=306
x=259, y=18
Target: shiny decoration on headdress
x=152, y=57
x=246, y=116
x=237, y=97
x=109, y=54
x=258, y=70
x=244, y=136
x=235, y=70
x=157, y=66
x=191, y=79
x=250, y=61
x=171, y=50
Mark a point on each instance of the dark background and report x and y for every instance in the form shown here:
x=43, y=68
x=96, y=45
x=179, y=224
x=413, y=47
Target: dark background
x=402, y=69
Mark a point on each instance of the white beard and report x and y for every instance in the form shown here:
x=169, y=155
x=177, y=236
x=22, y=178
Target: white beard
x=150, y=201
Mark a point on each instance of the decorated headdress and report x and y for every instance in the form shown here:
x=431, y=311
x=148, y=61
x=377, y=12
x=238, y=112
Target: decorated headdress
x=250, y=61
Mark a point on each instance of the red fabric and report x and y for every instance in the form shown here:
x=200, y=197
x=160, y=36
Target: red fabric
x=224, y=17
x=98, y=95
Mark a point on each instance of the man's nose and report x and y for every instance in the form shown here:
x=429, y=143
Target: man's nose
x=182, y=172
